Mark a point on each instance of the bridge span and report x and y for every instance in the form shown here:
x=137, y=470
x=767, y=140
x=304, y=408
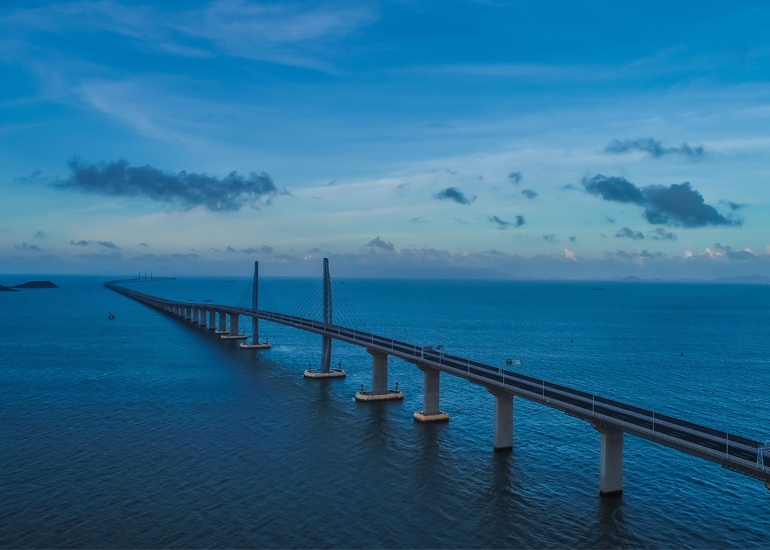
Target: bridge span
x=612, y=419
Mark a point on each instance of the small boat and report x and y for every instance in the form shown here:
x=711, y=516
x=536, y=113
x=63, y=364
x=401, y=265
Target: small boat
x=111, y=316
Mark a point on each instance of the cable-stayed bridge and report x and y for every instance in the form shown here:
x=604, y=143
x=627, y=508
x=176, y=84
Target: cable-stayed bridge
x=612, y=419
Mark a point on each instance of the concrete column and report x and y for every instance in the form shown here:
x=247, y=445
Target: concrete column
x=255, y=330
x=430, y=398
x=234, y=324
x=212, y=319
x=503, y=419
x=188, y=313
x=222, y=321
x=379, y=372
x=610, y=461
x=195, y=312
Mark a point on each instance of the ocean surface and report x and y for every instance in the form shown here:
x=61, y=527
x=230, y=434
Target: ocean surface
x=147, y=431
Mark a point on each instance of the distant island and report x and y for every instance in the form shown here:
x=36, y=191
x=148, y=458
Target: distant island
x=36, y=284
x=7, y=289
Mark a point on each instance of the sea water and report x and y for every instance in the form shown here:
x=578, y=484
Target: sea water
x=149, y=431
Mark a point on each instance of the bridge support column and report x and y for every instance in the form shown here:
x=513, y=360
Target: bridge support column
x=188, y=313
x=503, y=419
x=326, y=358
x=195, y=313
x=610, y=461
x=234, y=333
x=380, y=391
x=222, y=323
x=430, y=397
x=212, y=320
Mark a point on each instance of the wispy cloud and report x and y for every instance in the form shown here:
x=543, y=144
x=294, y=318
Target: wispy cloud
x=529, y=193
x=515, y=177
x=379, y=244
x=104, y=244
x=28, y=247
x=628, y=233
x=654, y=148
x=40, y=235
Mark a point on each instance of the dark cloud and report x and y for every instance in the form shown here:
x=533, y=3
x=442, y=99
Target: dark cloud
x=453, y=194
x=184, y=190
x=40, y=235
x=550, y=238
x=628, y=233
x=515, y=177
x=570, y=187
x=213, y=250
x=379, y=244
x=230, y=249
x=418, y=219
x=30, y=247
x=654, y=148
x=634, y=255
x=733, y=205
x=677, y=204
x=529, y=193
x=610, y=219
x=520, y=221
x=661, y=234
x=494, y=252
x=573, y=239
x=145, y=245
x=501, y=224
x=105, y=244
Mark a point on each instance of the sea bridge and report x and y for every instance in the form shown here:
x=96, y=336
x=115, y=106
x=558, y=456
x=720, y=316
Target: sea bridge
x=611, y=419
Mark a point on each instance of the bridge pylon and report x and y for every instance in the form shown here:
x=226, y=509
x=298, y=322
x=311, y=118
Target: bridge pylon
x=326, y=341
x=255, y=343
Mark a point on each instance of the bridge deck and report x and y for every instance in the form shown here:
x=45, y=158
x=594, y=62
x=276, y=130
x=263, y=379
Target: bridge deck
x=731, y=451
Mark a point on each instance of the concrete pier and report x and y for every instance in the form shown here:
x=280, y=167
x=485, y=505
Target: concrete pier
x=233, y=334
x=188, y=313
x=326, y=341
x=610, y=460
x=430, y=398
x=195, y=314
x=222, y=323
x=380, y=391
x=503, y=440
x=212, y=319
x=255, y=343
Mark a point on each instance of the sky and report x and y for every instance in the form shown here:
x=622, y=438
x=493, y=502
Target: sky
x=407, y=138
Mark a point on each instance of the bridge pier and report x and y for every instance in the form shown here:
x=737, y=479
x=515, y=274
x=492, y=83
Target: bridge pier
x=430, y=397
x=326, y=341
x=610, y=460
x=234, y=334
x=195, y=313
x=222, y=323
x=188, y=313
x=212, y=319
x=503, y=439
x=380, y=391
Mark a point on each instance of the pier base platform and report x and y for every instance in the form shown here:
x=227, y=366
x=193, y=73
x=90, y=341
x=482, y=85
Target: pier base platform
x=426, y=418
x=390, y=395
x=221, y=332
x=258, y=345
x=229, y=336
x=318, y=374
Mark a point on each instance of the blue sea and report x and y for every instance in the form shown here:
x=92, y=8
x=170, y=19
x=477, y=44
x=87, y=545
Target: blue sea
x=148, y=431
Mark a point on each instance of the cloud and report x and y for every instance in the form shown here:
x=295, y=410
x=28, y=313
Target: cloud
x=453, y=194
x=501, y=224
x=105, y=244
x=184, y=190
x=529, y=193
x=732, y=254
x=654, y=148
x=520, y=221
x=40, y=235
x=264, y=249
x=418, y=219
x=610, y=219
x=29, y=247
x=570, y=254
x=677, y=204
x=573, y=239
x=515, y=177
x=107, y=256
x=628, y=233
x=379, y=244
x=145, y=245
x=550, y=238
x=661, y=234
x=733, y=205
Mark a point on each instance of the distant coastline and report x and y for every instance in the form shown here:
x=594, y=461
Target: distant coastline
x=28, y=284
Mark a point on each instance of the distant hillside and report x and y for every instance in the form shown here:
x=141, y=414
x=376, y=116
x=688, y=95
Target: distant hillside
x=37, y=284
x=7, y=289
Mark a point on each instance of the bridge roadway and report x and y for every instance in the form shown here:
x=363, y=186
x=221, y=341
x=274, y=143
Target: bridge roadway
x=731, y=451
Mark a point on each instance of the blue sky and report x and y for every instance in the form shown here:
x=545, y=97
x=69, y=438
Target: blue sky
x=405, y=138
